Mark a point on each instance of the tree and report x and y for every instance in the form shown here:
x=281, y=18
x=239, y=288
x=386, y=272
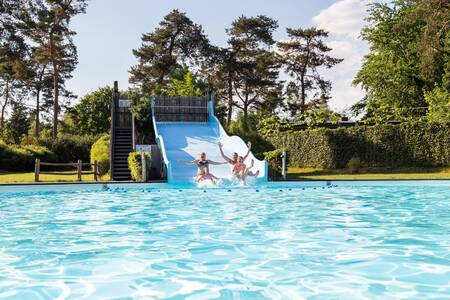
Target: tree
x=92, y=115
x=249, y=67
x=19, y=122
x=302, y=56
x=186, y=85
x=407, y=59
x=175, y=42
x=12, y=56
x=47, y=24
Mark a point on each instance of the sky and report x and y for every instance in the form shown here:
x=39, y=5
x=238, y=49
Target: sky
x=111, y=29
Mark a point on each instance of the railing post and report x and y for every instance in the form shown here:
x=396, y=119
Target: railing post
x=144, y=167
x=37, y=169
x=79, y=167
x=95, y=170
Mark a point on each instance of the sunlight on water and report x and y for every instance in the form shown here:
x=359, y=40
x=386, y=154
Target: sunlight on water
x=378, y=242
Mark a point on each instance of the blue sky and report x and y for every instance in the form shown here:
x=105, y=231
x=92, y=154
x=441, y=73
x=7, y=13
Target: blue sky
x=110, y=29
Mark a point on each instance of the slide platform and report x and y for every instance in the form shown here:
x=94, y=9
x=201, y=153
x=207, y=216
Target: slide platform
x=186, y=140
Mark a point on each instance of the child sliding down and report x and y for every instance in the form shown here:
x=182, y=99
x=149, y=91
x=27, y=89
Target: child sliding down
x=241, y=171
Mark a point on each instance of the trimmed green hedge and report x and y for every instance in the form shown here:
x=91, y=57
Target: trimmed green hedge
x=135, y=165
x=404, y=145
x=274, y=160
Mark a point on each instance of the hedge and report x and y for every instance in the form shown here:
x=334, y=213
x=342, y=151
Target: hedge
x=135, y=165
x=404, y=145
x=274, y=160
x=70, y=148
x=22, y=158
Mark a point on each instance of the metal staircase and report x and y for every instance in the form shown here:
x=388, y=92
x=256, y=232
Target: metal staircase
x=121, y=138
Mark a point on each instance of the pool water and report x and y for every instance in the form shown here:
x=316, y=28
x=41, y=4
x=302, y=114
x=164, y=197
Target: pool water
x=380, y=241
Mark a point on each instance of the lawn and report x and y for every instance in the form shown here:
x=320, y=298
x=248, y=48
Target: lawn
x=28, y=177
x=369, y=173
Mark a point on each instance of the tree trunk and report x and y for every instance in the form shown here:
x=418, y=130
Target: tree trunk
x=37, y=124
x=55, y=88
x=245, y=110
x=2, y=120
x=230, y=96
x=302, y=95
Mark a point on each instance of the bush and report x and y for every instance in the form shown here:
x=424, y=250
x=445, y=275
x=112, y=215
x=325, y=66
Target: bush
x=69, y=148
x=16, y=158
x=404, y=145
x=135, y=165
x=274, y=161
x=353, y=165
x=100, y=153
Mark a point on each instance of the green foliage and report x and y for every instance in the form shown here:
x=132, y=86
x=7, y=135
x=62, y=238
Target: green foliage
x=69, y=148
x=18, y=124
x=100, y=153
x=318, y=117
x=187, y=86
x=135, y=165
x=177, y=40
x=407, y=41
x=248, y=132
x=438, y=105
x=273, y=125
x=141, y=109
x=274, y=161
x=353, y=165
x=404, y=145
x=302, y=55
x=92, y=115
x=22, y=158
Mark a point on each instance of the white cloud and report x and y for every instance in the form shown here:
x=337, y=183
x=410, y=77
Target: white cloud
x=344, y=21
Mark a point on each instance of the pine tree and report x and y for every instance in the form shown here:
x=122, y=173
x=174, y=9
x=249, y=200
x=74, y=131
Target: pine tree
x=12, y=56
x=249, y=68
x=302, y=56
x=175, y=42
x=47, y=24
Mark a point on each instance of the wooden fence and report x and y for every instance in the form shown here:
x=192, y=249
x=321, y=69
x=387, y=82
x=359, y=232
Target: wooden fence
x=180, y=109
x=78, y=165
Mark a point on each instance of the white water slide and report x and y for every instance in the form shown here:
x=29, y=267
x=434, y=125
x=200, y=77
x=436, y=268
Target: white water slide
x=185, y=140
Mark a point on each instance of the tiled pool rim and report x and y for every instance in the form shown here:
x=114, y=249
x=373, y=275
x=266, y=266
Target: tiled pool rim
x=75, y=186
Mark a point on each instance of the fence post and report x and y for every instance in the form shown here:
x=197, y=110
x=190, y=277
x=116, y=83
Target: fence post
x=37, y=169
x=283, y=165
x=95, y=170
x=79, y=167
x=144, y=167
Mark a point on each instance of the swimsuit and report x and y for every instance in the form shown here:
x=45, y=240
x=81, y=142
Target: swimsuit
x=238, y=167
x=202, y=164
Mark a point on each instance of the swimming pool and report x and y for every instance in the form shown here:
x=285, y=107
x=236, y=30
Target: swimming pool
x=349, y=240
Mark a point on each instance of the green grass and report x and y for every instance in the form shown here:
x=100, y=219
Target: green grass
x=369, y=173
x=28, y=177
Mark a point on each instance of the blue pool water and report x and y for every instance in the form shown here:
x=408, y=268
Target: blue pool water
x=350, y=241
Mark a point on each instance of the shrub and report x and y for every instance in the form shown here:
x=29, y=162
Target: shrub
x=100, y=153
x=135, y=165
x=404, y=145
x=16, y=158
x=69, y=148
x=274, y=161
x=353, y=165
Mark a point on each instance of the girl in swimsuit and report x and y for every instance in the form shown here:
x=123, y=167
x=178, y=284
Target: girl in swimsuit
x=241, y=171
x=203, y=164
